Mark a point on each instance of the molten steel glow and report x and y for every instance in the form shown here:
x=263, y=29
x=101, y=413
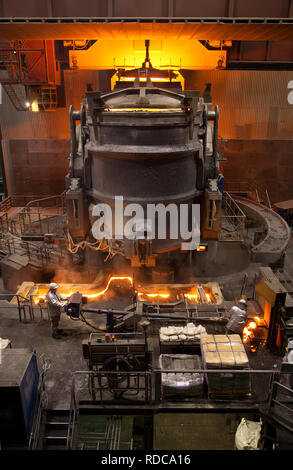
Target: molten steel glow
x=166, y=293
x=248, y=333
x=208, y=297
x=113, y=278
x=41, y=295
x=143, y=79
x=196, y=297
x=153, y=110
x=155, y=295
x=192, y=297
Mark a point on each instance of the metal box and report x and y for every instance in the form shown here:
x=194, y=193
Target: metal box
x=185, y=382
x=18, y=392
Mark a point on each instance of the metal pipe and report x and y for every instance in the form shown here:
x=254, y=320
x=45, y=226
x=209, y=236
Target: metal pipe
x=147, y=315
x=215, y=138
x=73, y=116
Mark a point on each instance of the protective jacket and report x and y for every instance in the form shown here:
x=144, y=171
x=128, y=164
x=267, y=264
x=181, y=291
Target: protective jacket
x=54, y=303
x=237, y=320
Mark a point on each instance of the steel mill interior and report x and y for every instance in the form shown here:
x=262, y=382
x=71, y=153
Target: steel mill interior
x=146, y=214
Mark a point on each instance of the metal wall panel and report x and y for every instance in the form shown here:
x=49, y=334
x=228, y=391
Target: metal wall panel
x=36, y=145
x=208, y=8
x=264, y=9
x=24, y=8
x=79, y=8
x=130, y=8
x=40, y=172
x=46, y=125
x=253, y=104
x=149, y=8
x=268, y=163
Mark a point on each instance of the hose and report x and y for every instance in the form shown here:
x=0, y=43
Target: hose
x=89, y=324
x=99, y=245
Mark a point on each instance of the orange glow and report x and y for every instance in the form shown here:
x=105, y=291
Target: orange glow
x=41, y=294
x=193, y=297
x=119, y=110
x=248, y=331
x=155, y=295
x=179, y=78
x=152, y=294
x=208, y=298
x=143, y=79
x=35, y=107
x=168, y=54
x=113, y=278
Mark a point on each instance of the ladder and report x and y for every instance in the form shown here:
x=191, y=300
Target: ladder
x=14, y=98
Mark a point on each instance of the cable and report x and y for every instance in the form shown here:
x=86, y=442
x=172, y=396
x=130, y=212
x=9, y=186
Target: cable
x=89, y=324
x=99, y=245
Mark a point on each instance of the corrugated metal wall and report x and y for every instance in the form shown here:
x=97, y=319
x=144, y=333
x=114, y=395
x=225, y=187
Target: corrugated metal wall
x=253, y=104
x=36, y=145
x=46, y=125
x=257, y=121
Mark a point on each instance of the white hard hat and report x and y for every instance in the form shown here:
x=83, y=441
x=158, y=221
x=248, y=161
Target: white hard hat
x=242, y=301
x=53, y=286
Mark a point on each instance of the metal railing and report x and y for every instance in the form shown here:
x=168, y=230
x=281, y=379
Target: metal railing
x=105, y=382
x=40, y=405
x=42, y=253
x=110, y=439
x=260, y=393
x=21, y=303
x=232, y=220
x=25, y=306
x=34, y=211
x=7, y=224
x=248, y=189
x=31, y=200
x=37, y=217
x=281, y=399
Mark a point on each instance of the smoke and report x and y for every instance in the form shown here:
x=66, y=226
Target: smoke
x=70, y=276
x=89, y=283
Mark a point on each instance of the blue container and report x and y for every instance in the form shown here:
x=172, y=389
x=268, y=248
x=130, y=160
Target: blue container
x=19, y=378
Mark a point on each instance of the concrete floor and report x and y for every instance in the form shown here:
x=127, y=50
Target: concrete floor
x=65, y=355
x=199, y=431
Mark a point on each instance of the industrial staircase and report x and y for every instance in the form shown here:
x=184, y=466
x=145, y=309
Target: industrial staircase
x=16, y=100
x=91, y=433
x=22, y=237
x=54, y=429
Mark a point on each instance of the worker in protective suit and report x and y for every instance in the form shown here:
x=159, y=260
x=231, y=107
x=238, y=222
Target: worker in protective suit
x=55, y=303
x=237, y=318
